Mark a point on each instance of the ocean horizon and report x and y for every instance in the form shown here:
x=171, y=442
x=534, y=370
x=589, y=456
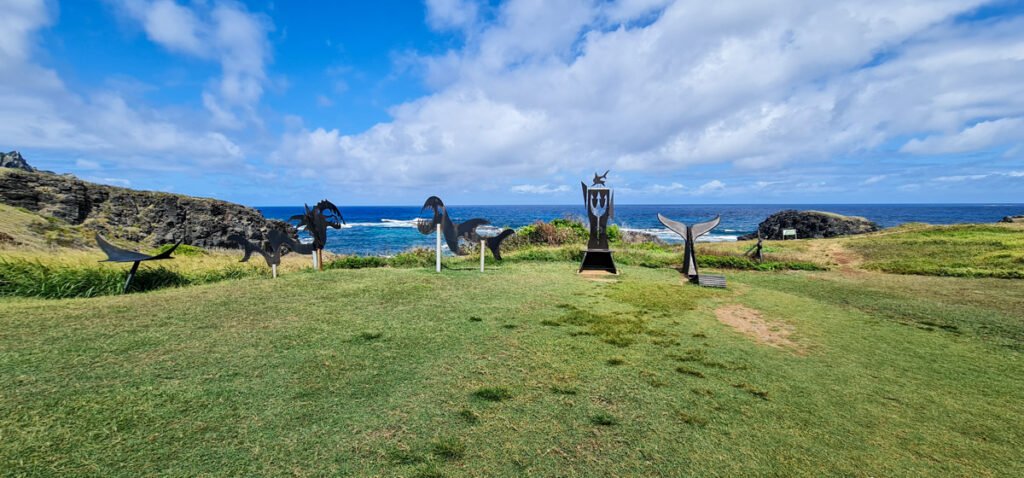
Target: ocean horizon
x=388, y=230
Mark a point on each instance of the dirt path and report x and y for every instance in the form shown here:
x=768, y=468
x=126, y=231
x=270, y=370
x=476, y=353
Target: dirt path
x=751, y=322
x=848, y=261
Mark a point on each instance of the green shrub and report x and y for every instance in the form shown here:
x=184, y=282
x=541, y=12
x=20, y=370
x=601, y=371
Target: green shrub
x=417, y=257
x=183, y=250
x=356, y=262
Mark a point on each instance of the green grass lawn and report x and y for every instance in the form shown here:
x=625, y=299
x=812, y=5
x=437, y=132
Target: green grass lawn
x=525, y=370
x=961, y=250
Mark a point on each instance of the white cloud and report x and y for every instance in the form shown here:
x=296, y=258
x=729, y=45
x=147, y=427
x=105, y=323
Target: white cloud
x=539, y=189
x=18, y=20
x=224, y=32
x=977, y=177
x=712, y=186
x=661, y=86
x=86, y=164
x=324, y=102
x=37, y=110
x=172, y=25
x=977, y=137
x=960, y=178
x=664, y=188
x=447, y=14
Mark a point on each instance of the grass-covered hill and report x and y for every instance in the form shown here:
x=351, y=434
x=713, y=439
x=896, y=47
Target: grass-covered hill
x=824, y=363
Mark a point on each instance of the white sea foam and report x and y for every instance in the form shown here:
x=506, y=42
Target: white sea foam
x=384, y=223
x=668, y=235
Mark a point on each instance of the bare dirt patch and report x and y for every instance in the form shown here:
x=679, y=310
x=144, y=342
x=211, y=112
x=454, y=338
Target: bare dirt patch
x=848, y=262
x=752, y=323
x=599, y=276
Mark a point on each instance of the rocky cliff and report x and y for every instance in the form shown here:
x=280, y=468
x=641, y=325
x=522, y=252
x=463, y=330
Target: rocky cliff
x=811, y=224
x=14, y=160
x=140, y=216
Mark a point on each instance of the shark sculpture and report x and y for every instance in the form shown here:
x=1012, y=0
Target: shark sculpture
x=453, y=231
x=116, y=254
x=690, y=234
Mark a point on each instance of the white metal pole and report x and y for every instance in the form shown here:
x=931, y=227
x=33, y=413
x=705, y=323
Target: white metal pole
x=481, y=255
x=273, y=270
x=438, y=255
x=314, y=260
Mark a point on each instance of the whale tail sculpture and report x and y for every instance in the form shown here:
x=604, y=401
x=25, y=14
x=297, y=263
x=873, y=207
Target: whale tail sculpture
x=690, y=234
x=494, y=243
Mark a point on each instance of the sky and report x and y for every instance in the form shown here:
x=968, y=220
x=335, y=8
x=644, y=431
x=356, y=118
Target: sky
x=517, y=101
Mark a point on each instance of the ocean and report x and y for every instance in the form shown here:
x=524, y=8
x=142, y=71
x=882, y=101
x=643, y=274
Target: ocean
x=387, y=230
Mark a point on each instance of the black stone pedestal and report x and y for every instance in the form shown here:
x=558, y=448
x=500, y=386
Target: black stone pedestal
x=598, y=260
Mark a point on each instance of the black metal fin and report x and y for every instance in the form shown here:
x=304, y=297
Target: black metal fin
x=494, y=243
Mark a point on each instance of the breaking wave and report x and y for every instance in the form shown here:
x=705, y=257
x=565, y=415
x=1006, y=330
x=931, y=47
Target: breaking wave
x=669, y=236
x=384, y=223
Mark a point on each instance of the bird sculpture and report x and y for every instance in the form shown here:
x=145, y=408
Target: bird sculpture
x=316, y=220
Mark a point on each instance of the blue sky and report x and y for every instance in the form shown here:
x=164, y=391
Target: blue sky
x=515, y=102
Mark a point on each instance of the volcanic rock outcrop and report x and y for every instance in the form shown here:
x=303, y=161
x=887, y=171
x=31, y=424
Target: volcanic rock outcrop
x=140, y=216
x=811, y=224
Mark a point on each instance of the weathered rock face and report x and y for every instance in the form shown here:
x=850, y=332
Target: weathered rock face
x=141, y=216
x=640, y=237
x=811, y=224
x=1013, y=219
x=14, y=160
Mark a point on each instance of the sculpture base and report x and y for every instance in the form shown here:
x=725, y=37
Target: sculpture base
x=598, y=260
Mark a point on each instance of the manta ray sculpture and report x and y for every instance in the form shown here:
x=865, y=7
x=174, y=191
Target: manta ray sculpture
x=453, y=231
x=116, y=254
x=690, y=234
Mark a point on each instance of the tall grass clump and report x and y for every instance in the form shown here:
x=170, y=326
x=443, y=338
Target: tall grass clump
x=33, y=278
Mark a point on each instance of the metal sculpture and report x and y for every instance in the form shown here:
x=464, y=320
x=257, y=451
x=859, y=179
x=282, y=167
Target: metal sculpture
x=755, y=250
x=690, y=235
x=316, y=221
x=494, y=242
x=116, y=254
x=454, y=231
x=490, y=238
x=599, y=201
x=277, y=240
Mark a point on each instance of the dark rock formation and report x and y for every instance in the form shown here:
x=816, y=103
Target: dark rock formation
x=140, y=216
x=14, y=160
x=640, y=237
x=811, y=224
x=1013, y=219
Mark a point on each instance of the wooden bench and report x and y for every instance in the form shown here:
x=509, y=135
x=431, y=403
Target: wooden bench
x=710, y=280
